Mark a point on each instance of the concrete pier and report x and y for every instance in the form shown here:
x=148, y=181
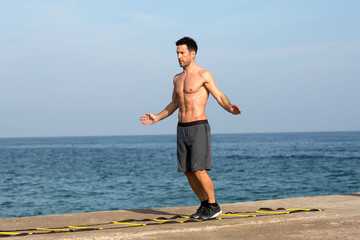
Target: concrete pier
x=340, y=219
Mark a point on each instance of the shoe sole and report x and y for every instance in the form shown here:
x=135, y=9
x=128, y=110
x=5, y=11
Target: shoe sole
x=213, y=216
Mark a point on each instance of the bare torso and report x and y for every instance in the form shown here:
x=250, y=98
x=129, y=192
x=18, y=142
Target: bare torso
x=191, y=94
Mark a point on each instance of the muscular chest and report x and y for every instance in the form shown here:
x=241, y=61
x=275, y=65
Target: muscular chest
x=189, y=85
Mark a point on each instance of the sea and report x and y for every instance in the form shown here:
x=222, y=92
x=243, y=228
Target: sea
x=60, y=175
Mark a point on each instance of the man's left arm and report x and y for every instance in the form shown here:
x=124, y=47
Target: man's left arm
x=218, y=95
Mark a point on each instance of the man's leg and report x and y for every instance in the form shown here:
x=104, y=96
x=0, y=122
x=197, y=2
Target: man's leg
x=200, y=193
x=202, y=185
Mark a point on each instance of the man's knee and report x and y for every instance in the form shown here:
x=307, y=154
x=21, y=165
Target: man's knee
x=195, y=173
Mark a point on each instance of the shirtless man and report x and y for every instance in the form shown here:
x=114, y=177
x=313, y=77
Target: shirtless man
x=190, y=95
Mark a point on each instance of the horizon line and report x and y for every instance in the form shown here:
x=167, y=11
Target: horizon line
x=174, y=134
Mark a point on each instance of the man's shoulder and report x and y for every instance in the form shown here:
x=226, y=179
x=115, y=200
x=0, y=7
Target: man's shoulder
x=203, y=71
x=177, y=76
x=204, y=74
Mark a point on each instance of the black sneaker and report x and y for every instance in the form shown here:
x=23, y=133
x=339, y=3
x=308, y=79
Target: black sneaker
x=211, y=211
x=199, y=211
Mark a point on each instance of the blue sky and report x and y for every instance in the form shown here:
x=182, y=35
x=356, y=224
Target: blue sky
x=85, y=68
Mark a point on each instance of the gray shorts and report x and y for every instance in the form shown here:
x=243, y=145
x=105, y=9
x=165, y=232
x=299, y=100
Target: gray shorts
x=194, y=146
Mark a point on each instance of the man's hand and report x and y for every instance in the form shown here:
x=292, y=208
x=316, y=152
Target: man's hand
x=149, y=118
x=235, y=109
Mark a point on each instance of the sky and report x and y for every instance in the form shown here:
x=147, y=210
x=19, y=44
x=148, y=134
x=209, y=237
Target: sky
x=92, y=68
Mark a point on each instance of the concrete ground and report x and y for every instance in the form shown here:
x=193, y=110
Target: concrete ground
x=340, y=219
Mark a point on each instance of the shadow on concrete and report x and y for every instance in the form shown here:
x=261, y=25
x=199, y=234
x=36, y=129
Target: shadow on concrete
x=150, y=211
x=352, y=194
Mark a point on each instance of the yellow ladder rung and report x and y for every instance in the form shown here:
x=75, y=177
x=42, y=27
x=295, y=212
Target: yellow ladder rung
x=299, y=209
x=272, y=212
x=133, y=224
x=237, y=215
x=89, y=228
x=13, y=233
x=53, y=230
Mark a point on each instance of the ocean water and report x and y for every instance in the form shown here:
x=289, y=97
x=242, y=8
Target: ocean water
x=41, y=176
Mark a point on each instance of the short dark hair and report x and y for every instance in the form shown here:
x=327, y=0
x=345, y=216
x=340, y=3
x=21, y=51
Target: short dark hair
x=189, y=42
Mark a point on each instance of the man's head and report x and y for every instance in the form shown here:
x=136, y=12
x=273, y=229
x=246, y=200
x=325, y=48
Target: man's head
x=186, y=51
x=189, y=42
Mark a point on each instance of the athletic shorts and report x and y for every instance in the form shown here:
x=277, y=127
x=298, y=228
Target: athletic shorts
x=194, y=146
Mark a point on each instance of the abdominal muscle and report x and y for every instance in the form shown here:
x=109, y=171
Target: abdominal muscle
x=189, y=116
x=192, y=106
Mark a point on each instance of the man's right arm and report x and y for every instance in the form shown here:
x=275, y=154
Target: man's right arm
x=150, y=118
x=218, y=95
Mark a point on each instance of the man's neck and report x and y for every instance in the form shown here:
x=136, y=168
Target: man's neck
x=189, y=68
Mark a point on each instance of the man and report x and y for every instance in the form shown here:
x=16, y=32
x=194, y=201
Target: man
x=190, y=95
